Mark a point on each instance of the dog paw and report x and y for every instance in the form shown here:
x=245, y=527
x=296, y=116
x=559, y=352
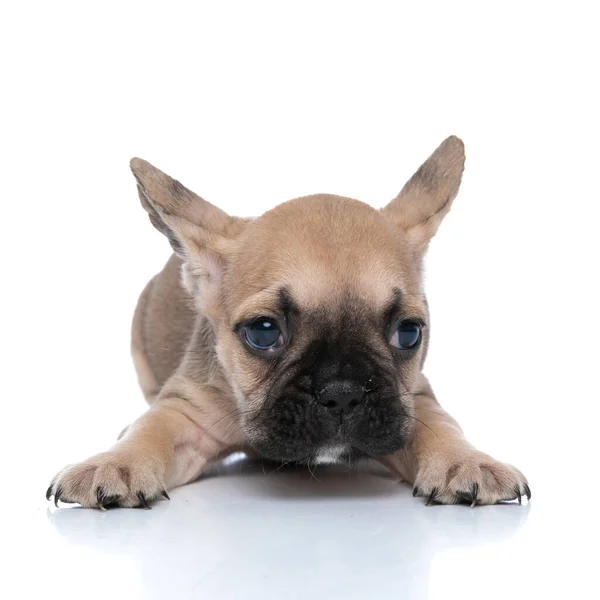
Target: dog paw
x=114, y=478
x=468, y=476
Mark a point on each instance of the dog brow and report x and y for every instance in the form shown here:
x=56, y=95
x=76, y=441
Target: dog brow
x=287, y=306
x=393, y=306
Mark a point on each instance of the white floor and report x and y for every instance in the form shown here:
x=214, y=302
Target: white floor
x=249, y=532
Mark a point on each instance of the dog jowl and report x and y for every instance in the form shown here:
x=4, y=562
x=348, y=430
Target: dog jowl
x=299, y=335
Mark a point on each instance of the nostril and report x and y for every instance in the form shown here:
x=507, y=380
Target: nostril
x=341, y=395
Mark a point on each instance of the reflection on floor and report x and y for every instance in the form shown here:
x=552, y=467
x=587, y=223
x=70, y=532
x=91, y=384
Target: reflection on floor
x=251, y=529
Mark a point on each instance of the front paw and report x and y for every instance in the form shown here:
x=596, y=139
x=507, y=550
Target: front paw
x=468, y=476
x=114, y=478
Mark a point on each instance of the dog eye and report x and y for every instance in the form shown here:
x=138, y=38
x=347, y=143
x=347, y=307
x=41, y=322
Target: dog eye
x=263, y=334
x=407, y=335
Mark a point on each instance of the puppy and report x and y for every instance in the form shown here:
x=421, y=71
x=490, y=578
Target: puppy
x=298, y=336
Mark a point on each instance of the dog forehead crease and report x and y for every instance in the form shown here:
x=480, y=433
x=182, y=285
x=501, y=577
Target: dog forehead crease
x=306, y=284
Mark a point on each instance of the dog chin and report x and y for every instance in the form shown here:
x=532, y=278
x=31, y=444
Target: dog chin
x=330, y=455
x=329, y=452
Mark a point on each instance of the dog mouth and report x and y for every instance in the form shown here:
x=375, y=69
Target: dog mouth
x=298, y=429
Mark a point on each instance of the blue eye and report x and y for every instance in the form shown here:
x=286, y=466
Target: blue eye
x=407, y=335
x=263, y=334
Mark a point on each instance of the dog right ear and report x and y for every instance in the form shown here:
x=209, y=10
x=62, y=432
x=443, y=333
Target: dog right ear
x=189, y=222
x=197, y=230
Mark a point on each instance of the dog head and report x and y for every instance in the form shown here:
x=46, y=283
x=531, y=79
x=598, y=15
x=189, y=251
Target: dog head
x=317, y=306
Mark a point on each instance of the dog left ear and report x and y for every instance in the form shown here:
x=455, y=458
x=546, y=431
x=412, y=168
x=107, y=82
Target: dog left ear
x=199, y=232
x=426, y=198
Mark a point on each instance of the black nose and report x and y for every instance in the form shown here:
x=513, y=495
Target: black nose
x=341, y=395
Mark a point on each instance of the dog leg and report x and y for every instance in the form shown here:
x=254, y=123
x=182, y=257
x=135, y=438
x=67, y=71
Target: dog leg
x=166, y=447
x=444, y=467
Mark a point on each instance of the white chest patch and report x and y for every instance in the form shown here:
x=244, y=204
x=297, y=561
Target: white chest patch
x=329, y=455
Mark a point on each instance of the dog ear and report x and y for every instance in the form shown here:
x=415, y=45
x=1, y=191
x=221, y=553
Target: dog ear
x=199, y=232
x=427, y=197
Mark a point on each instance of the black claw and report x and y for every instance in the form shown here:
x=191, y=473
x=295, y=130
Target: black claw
x=518, y=491
x=49, y=492
x=57, y=494
x=527, y=492
x=164, y=493
x=100, y=496
x=415, y=491
x=475, y=494
x=105, y=501
x=431, y=497
x=143, y=502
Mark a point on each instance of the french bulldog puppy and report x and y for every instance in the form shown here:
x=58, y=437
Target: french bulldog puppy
x=299, y=336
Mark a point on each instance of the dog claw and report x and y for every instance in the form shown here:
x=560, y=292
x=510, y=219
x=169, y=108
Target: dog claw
x=105, y=501
x=527, y=492
x=415, y=491
x=143, y=502
x=471, y=497
x=164, y=493
x=49, y=492
x=518, y=490
x=431, y=497
x=475, y=493
x=57, y=496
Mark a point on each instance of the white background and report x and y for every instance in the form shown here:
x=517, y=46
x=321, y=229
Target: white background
x=250, y=104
